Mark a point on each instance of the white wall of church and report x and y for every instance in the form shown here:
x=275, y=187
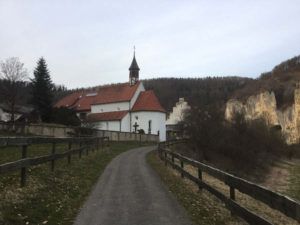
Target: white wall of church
x=136, y=94
x=125, y=123
x=107, y=125
x=110, y=107
x=158, y=122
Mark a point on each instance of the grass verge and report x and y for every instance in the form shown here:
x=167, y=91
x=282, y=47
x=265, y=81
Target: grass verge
x=52, y=197
x=202, y=207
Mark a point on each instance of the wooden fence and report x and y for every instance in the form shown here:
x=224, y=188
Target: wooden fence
x=85, y=144
x=275, y=200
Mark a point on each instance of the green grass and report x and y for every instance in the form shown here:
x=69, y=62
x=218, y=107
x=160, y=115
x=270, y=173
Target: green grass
x=52, y=197
x=202, y=207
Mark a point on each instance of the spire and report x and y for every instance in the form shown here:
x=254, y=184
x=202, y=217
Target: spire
x=133, y=70
x=134, y=65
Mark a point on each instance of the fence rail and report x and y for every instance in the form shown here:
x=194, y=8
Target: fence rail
x=275, y=200
x=90, y=143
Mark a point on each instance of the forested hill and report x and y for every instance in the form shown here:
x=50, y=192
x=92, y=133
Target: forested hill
x=281, y=80
x=197, y=91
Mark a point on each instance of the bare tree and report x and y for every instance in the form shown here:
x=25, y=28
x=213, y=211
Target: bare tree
x=12, y=73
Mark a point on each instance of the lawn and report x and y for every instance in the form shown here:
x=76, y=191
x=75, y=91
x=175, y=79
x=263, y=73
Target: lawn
x=52, y=197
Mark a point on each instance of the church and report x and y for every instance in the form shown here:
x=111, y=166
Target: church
x=125, y=107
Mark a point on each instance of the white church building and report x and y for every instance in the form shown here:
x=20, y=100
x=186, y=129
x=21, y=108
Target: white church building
x=125, y=107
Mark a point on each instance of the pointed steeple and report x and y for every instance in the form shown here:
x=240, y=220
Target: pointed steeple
x=133, y=71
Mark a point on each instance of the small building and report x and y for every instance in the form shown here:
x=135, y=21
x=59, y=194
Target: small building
x=175, y=116
x=125, y=107
x=22, y=113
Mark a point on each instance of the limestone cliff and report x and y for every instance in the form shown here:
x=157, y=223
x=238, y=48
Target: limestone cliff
x=264, y=105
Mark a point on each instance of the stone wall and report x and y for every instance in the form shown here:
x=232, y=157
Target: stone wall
x=61, y=131
x=263, y=105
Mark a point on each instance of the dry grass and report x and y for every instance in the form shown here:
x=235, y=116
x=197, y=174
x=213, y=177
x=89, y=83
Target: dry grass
x=261, y=209
x=201, y=206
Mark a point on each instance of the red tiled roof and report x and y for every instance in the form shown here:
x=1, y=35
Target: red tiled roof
x=78, y=100
x=147, y=101
x=118, y=115
x=116, y=93
x=106, y=94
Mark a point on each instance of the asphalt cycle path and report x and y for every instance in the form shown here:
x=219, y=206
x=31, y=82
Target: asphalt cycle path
x=129, y=192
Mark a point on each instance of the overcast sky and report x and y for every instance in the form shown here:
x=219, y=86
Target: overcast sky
x=88, y=43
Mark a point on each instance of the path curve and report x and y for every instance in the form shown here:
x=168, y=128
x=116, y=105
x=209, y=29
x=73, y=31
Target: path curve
x=130, y=192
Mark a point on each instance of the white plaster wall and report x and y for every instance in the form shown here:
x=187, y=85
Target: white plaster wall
x=125, y=123
x=114, y=125
x=110, y=107
x=108, y=125
x=177, y=113
x=158, y=122
x=136, y=94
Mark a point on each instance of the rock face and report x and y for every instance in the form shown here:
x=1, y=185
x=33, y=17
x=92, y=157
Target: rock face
x=263, y=105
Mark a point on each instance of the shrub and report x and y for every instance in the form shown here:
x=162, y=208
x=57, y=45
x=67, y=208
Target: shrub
x=241, y=146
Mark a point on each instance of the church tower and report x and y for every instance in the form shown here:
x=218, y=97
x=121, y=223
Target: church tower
x=133, y=72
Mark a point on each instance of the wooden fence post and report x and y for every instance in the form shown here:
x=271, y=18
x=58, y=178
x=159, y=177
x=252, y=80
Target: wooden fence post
x=200, y=178
x=80, y=145
x=165, y=158
x=182, y=166
x=53, y=152
x=102, y=143
x=173, y=161
x=69, y=155
x=23, y=170
x=232, y=197
x=232, y=194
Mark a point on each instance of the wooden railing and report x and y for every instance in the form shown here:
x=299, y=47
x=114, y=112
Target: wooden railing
x=275, y=200
x=85, y=144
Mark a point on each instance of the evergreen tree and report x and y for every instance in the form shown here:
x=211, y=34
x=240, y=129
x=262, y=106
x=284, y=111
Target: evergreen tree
x=42, y=90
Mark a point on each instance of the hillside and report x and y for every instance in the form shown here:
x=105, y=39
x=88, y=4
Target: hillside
x=197, y=91
x=281, y=80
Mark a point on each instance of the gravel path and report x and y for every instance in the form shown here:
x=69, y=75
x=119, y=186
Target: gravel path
x=129, y=192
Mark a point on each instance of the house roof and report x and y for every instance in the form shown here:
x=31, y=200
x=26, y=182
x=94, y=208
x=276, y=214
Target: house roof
x=147, y=101
x=107, y=116
x=115, y=93
x=80, y=101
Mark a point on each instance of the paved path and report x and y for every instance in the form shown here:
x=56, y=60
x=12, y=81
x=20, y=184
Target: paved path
x=129, y=192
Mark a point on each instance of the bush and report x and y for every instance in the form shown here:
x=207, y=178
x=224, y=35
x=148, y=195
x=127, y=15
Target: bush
x=241, y=147
x=64, y=116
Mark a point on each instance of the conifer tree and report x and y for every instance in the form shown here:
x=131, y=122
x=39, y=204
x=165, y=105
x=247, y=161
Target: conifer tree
x=42, y=90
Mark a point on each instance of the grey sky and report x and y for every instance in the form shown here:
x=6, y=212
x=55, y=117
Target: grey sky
x=88, y=43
